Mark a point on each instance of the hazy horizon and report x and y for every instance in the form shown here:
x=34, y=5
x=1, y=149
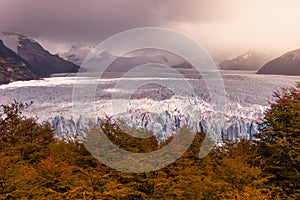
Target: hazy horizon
x=224, y=29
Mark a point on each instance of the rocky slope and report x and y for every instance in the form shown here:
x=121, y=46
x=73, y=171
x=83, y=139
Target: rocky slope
x=42, y=62
x=287, y=64
x=13, y=67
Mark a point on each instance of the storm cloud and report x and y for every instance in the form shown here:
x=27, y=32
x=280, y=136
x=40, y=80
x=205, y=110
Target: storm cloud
x=94, y=19
x=221, y=26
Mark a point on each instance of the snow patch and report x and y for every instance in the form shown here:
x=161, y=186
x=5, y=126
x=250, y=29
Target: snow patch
x=10, y=40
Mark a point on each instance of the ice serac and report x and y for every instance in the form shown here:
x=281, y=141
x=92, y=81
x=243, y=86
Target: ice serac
x=41, y=61
x=171, y=114
x=235, y=123
x=66, y=128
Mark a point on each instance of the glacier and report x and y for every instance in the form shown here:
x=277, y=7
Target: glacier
x=171, y=114
x=246, y=101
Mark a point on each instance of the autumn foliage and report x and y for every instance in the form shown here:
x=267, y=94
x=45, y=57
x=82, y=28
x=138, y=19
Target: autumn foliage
x=36, y=165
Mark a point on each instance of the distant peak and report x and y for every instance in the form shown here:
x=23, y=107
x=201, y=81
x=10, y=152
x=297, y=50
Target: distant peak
x=251, y=60
x=105, y=54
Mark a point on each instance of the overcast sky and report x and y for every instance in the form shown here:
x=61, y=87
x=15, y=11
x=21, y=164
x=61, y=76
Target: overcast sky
x=224, y=27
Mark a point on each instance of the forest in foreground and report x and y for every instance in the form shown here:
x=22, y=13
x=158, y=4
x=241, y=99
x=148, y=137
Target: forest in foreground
x=34, y=164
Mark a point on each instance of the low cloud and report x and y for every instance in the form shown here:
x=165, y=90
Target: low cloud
x=224, y=27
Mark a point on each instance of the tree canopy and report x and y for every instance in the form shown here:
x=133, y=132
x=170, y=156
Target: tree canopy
x=278, y=150
x=34, y=164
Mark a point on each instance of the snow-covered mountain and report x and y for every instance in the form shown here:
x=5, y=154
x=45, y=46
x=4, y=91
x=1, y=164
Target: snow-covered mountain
x=124, y=63
x=42, y=62
x=77, y=53
x=251, y=60
x=287, y=64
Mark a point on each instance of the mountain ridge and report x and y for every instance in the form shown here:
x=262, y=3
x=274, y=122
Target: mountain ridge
x=41, y=61
x=13, y=67
x=286, y=64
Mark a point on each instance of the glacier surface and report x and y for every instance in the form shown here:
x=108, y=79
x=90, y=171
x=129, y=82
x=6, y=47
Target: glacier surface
x=164, y=113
